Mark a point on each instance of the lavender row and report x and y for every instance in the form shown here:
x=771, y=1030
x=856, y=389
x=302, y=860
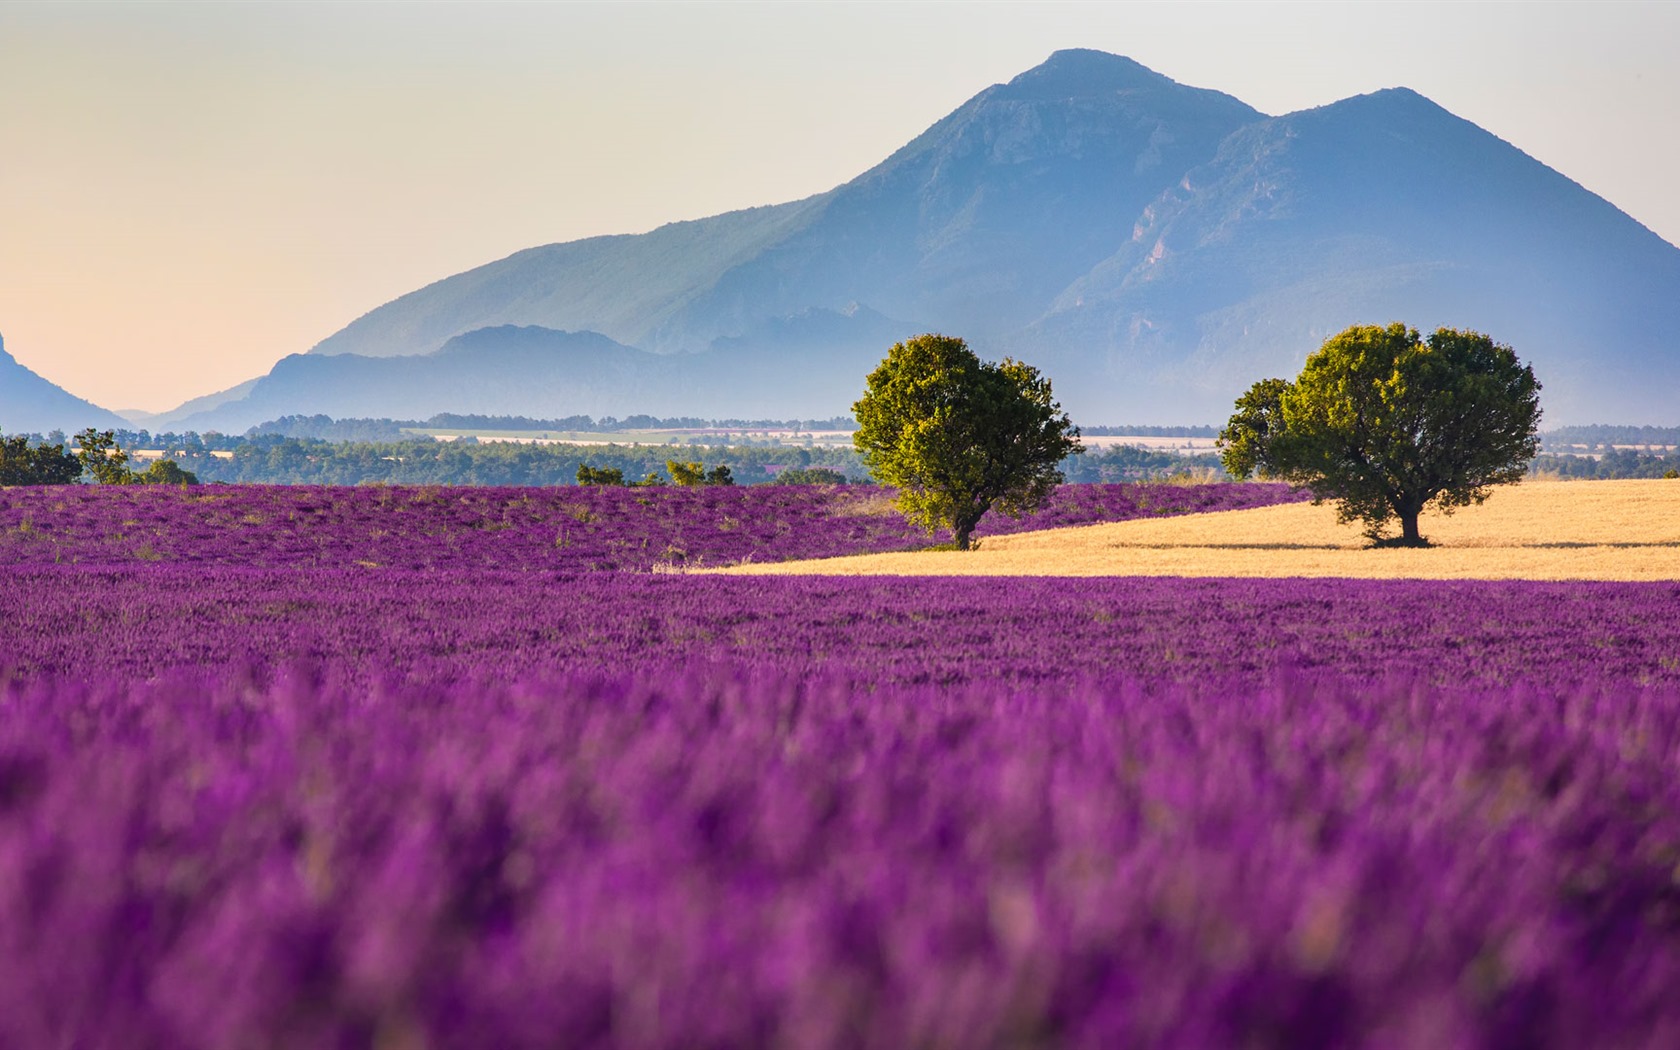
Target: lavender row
x=136, y=622
x=711, y=858
x=564, y=529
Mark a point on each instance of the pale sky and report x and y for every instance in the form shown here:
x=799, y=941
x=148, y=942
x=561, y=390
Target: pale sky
x=191, y=191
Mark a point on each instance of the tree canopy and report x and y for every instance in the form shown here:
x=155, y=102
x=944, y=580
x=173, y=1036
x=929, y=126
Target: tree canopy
x=959, y=436
x=693, y=473
x=23, y=463
x=166, y=472
x=1387, y=424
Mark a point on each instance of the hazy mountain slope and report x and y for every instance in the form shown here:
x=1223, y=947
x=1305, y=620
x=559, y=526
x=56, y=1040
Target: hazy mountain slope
x=1377, y=208
x=534, y=371
x=977, y=223
x=1154, y=248
x=519, y=371
x=621, y=286
x=30, y=404
x=198, y=407
x=980, y=220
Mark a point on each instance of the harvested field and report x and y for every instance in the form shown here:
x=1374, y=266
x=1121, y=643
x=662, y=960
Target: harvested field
x=1601, y=530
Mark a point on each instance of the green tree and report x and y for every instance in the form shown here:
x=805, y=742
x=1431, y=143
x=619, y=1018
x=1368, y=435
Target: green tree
x=1387, y=424
x=959, y=436
x=24, y=464
x=695, y=473
x=101, y=459
x=685, y=474
x=166, y=472
x=588, y=475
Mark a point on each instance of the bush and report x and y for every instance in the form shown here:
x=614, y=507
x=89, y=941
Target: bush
x=24, y=464
x=811, y=476
x=693, y=473
x=588, y=475
x=166, y=472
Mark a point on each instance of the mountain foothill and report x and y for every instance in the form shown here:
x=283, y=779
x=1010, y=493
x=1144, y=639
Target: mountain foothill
x=1153, y=247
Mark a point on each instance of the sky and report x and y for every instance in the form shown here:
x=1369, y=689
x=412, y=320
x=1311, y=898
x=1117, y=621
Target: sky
x=191, y=191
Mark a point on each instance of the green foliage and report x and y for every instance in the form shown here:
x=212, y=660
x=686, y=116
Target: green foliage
x=1248, y=440
x=959, y=436
x=1387, y=424
x=24, y=464
x=685, y=474
x=588, y=475
x=102, y=459
x=166, y=472
x=811, y=476
x=693, y=473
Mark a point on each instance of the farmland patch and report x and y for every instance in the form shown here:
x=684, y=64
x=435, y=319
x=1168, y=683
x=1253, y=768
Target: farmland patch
x=1604, y=530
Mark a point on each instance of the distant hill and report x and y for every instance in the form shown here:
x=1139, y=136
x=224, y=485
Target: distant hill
x=30, y=404
x=528, y=370
x=1153, y=247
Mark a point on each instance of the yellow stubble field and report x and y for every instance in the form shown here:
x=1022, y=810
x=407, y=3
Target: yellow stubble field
x=1585, y=530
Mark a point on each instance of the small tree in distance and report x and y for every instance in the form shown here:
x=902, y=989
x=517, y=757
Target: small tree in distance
x=1388, y=424
x=102, y=460
x=959, y=436
x=692, y=473
x=166, y=472
x=588, y=475
x=811, y=476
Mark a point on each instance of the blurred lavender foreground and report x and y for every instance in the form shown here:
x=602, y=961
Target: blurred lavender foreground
x=312, y=802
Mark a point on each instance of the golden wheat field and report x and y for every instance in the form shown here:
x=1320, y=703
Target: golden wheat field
x=1586, y=530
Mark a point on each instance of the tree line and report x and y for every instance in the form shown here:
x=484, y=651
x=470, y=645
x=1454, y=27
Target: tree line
x=271, y=459
x=1617, y=464
x=1606, y=436
x=98, y=459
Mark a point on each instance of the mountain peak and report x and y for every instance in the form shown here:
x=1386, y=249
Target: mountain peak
x=1075, y=72
x=1393, y=102
x=1153, y=245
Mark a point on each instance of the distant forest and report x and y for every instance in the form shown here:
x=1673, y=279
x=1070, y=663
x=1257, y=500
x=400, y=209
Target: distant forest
x=271, y=459
x=1619, y=463
x=318, y=450
x=328, y=429
x=1603, y=437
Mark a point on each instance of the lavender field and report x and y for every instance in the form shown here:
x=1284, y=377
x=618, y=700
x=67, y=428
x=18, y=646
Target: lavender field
x=360, y=768
x=581, y=529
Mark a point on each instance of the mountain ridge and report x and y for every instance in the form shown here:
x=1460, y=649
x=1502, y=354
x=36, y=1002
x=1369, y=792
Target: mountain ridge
x=31, y=404
x=1154, y=247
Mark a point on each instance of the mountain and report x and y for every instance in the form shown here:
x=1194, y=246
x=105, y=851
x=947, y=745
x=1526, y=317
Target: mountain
x=32, y=405
x=1376, y=208
x=1154, y=247
x=197, y=408
x=527, y=370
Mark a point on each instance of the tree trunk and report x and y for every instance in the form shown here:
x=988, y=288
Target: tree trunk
x=1409, y=536
x=960, y=535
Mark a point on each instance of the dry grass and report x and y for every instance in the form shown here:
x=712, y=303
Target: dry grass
x=873, y=505
x=1589, y=530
